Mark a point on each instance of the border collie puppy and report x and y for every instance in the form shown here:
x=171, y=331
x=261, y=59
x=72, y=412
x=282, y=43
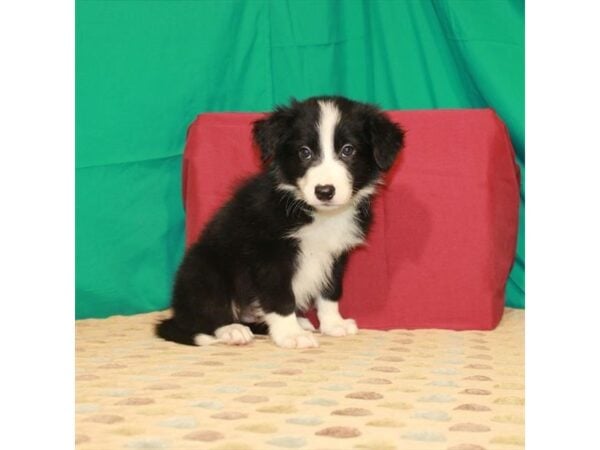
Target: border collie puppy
x=280, y=245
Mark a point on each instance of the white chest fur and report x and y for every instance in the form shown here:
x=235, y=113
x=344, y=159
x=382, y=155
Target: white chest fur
x=321, y=242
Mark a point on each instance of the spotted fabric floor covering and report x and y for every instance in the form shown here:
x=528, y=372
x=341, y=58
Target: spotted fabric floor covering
x=418, y=389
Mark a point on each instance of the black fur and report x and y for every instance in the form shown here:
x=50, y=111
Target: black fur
x=245, y=255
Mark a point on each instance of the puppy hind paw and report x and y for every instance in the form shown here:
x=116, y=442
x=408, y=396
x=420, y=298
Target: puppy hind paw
x=342, y=327
x=205, y=339
x=296, y=340
x=234, y=334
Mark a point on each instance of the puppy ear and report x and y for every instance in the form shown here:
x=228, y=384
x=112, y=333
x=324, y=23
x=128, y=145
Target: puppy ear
x=270, y=132
x=387, y=139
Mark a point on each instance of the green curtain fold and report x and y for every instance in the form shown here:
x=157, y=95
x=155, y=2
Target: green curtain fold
x=145, y=69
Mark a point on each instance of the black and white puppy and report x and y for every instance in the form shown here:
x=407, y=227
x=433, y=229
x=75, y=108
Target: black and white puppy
x=280, y=245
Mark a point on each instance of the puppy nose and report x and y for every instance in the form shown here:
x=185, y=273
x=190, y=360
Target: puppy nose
x=324, y=192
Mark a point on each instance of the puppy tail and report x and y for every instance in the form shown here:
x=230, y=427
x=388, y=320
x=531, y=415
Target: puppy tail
x=169, y=331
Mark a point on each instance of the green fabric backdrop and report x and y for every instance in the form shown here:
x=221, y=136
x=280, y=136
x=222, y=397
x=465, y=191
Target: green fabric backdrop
x=145, y=69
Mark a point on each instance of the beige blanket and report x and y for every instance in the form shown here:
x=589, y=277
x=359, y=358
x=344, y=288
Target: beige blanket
x=419, y=389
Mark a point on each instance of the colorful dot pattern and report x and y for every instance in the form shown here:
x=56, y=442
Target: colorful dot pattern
x=397, y=389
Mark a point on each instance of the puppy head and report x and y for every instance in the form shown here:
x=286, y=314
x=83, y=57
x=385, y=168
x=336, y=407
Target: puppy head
x=328, y=151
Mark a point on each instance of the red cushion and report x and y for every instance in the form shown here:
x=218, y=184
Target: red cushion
x=444, y=235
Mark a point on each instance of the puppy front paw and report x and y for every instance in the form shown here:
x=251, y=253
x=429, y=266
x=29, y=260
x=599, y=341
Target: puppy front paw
x=338, y=327
x=302, y=339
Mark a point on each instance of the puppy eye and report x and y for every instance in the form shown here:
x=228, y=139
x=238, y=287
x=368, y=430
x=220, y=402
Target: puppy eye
x=305, y=153
x=347, y=151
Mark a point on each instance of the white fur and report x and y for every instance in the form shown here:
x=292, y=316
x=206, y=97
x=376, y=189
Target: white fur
x=205, y=339
x=363, y=193
x=321, y=241
x=330, y=170
x=286, y=187
x=234, y=334
x=330, y=320
x=286, y=332
x=235, y=311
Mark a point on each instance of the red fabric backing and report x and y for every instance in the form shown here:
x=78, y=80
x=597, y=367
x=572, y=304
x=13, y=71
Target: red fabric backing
x=444, y=235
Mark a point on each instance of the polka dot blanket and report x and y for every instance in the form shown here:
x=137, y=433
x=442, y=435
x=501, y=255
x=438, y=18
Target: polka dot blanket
x=398, y=389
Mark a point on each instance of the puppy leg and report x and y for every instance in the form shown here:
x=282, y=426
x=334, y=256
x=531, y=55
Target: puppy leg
x=331, y=323
x=286, y=332
x=201, y=305
x=273, y=282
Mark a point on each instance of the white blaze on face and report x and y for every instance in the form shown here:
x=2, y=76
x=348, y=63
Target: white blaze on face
x=329, y=170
